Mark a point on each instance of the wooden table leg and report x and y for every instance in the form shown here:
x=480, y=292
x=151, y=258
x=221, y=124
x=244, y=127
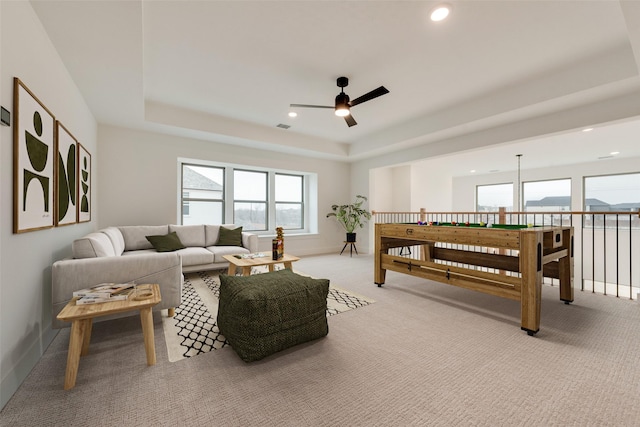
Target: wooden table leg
x=270, y=266
x=531, y=281
x=288, y=265
x=232, y=269
x=147, y=331
x=246, y=271
x=86, y=337
x=565, y=266
x=378, y=272
x=76, y=344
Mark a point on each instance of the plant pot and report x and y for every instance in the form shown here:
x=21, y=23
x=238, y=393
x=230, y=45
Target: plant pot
x=351, y=237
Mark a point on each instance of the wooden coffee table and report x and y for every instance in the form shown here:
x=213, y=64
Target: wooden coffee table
x=81, y=318
x=247, y=263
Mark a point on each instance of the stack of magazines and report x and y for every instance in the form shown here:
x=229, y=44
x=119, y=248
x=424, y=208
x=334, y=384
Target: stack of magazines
x=104, y=292
x=251, y=256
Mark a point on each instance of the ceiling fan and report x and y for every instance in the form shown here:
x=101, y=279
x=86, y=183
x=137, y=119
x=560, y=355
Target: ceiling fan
x=343, y=105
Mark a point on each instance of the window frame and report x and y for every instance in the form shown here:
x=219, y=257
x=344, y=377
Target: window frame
x=584, y=187
x=309, y=194
x=182, y=191
x=264, y=202
x=301, y=203
x=524, y=198
x=494, y=185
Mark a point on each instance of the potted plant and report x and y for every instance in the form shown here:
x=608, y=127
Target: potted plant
x=351, y=216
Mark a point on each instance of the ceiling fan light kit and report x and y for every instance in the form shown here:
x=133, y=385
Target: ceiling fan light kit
x=343, y=104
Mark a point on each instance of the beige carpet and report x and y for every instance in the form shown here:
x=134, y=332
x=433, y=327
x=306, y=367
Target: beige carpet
x=194, y=330
x=425, y=354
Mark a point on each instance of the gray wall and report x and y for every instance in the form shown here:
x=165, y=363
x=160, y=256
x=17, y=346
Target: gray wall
x=139, y=181
x=25, y=259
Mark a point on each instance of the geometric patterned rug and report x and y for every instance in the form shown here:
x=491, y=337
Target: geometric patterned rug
x=193, y=329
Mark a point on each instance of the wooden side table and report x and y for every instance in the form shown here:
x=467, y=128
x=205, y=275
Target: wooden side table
x=81, y=318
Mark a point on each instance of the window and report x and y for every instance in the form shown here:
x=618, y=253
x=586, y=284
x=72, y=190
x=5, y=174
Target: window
x=259, y=200
x=250, y=199
x=491, y=197
x=549, y=196
x=185, y=203
x=202, y=195
x=612, y=193
x=289, y=201
x=619, y=193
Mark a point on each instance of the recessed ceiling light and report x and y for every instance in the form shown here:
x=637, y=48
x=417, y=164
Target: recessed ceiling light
x=587, y=130
x=613, y=153
x=472, y=171
x=440, y=12
x=293, y=114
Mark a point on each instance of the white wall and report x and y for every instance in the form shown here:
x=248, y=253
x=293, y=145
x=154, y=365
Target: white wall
x=430, y=187
x=25, y=259
x=139, y=181
x=401, y=196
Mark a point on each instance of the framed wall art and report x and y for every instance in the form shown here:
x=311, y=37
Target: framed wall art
x=84, y=184
x=33, y=161
x=66, y=181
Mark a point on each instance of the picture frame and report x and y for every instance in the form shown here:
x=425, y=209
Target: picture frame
x=33, y=161
x=84, y=184
x=66, y=177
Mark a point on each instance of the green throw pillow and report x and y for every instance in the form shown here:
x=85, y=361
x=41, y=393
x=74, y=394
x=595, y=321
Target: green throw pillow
x=229, y=237
x=168, y=243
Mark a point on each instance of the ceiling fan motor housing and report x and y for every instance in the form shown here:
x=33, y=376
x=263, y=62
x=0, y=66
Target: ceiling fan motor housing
x=342, y=99
x=343, y=82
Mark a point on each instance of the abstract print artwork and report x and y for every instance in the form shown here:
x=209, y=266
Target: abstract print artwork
x=66, y=176
x=84, y=189
x=33, y=162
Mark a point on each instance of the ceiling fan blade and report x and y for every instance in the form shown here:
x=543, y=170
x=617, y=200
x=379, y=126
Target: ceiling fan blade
x=350, y=120
x=369, y=96
x=311, y=106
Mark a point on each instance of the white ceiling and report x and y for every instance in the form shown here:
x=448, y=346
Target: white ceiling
x=493, y=73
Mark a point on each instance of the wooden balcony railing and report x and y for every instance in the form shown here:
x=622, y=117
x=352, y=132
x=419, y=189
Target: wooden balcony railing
x=606, y=244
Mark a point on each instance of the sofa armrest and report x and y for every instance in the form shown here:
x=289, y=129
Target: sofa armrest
x=70, y=275
x=250, y=241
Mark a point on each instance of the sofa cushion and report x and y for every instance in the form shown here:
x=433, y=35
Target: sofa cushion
x=135, y=235
x=190, y=235
x=265, y=313
x=211, y=233
x=93, y=245
x=167, y=243
x=140, y=252
x=116, y=239
x=220, y=251
x=230, y=237
x=195, y=256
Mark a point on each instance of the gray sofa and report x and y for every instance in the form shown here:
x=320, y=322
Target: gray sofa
x=123, y=254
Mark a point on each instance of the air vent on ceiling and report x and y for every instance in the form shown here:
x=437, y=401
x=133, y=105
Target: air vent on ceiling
x=283, y=126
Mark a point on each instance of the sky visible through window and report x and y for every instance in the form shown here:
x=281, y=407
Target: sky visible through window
x=288, y=187
x=613, y=189
x=495, y=196
x=538, y=190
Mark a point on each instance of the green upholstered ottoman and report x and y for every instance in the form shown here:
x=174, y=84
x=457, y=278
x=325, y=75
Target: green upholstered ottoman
x=264, y=313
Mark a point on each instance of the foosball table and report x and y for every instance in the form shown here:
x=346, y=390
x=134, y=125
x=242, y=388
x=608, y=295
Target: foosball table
x=507, y=261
